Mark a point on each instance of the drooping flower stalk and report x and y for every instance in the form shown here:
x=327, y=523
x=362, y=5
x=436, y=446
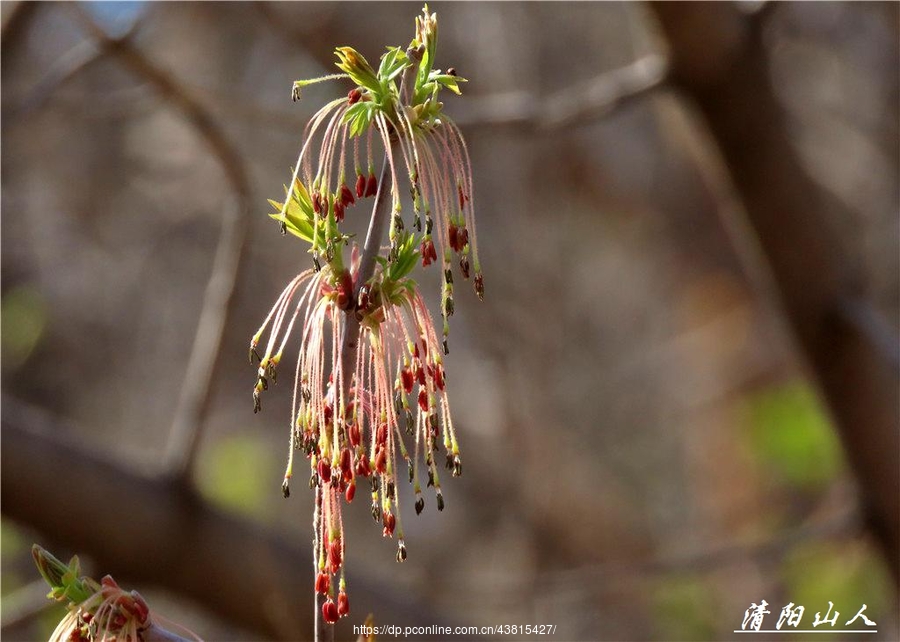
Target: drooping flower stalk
x=370, y=393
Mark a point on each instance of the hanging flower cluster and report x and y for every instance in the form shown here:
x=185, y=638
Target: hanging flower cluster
x=369, y=387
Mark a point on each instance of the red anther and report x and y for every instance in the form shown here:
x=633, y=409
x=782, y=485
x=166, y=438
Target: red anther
x=381, y=435
x=140, y=606
x=345, y=460
x=362, y=466
x=439, y=377
x=322, y=583
x=420, y=375
x=354, y=434
x=406, y=377
x=329, y=612
x=464, y=266
x=463, y=239
x=328, y=411
x=453, y=235
x=317, y=204
x=351, y=492
x=346, y=196
x=479, y=286
x=389, y=523
x=107, y=581
x=324, y=470
x=416, y=350
x=360, y=186
x=372, y=185
x=423, y=400
x=380, y=461
x=342, y=485
x=354, y=95
x=119, y=621
x=343, y=604
x=426, y=250
x=462, y=196
x=338, y=211
x=335, y=555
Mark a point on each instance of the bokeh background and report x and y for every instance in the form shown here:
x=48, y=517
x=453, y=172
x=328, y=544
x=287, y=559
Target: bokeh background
x=652, y=433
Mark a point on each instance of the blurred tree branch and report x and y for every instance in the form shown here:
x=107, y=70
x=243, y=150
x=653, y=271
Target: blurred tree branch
x=194, y=400
x=165, y=534
x=719, y=62
x=591, y=99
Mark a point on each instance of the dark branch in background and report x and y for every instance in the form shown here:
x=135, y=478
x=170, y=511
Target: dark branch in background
x=193, y=403
x=718, y=60
x=165, y=534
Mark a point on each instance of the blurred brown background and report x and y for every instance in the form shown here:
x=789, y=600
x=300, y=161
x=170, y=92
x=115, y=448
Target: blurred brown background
x=679, y=396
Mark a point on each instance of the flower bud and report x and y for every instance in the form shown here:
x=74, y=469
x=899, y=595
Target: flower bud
x=354, y=95
x=329, y=612
x=389, y=523
x=323, y=581
x=346, y=196
x=324, y=470
x=351, y=492
x=372, y=185
x=343, y=604
x=360, y=186
x=362, y=466
x=335, y=555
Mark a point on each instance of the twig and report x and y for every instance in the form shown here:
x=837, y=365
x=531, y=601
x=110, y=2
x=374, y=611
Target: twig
x=597, y=97
x=193, y=403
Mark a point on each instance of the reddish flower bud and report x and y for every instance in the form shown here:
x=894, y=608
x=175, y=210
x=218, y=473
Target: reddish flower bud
x=463, y=239
x=423, y=400
x=406, y=377
x=317, y=204
x=372, y=185
x=425, y=251
x=420, y=375
x=381, y=435
x=324, y=470
x=479, y=286
x=351, y=492
x=389, y=522
x=453, y=235
x=439, y=377
x=354, y=95
x=322, y=583
x=343, y=604
x=464, y=266
x=462, y=196
x=346, y=196
x=354, y=434
x=360, y=186
x=338, y=211
x=335, y=555
x=380, y=461
x=362, y=466
x=329, y=612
